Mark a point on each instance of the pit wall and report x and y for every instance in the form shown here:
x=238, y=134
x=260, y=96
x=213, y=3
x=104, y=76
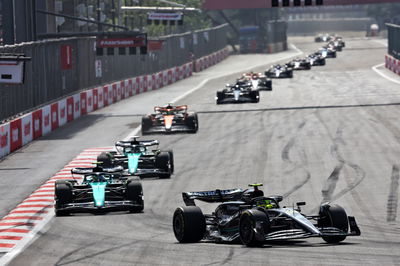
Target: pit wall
x=40, y=122
x=392, y=64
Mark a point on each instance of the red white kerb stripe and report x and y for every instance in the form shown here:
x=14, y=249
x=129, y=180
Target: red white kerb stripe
x=20, y=224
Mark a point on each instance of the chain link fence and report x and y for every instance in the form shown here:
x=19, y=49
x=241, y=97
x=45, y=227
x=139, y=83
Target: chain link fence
x=47, y=78
x=394, y=40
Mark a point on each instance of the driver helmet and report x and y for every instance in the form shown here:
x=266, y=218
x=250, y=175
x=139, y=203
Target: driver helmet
x=266, y=203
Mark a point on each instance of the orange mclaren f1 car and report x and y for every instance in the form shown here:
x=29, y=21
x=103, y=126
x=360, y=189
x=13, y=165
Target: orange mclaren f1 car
x=170, y=119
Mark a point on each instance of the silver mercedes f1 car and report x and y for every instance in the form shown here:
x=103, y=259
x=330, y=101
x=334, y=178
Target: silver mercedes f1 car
x=247, y=216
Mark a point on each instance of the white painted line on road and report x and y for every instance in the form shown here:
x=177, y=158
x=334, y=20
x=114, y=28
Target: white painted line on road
x=375, y=68
x=384, y=42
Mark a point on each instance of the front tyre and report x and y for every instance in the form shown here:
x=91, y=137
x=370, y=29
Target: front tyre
x=333, y=216
x=189, y=224
x=253, y=226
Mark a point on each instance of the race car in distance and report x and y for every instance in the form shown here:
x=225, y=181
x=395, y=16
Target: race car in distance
x=279, y=71
x=138, y=159
x=241, y=92
x=101, y=190
x=253, y=219
x=323, y=38
x=327, y=52
x=169, y=119
x=299, y=64
x=316, y=59
x=258, y=80
x=340, y=41
x=335, y=45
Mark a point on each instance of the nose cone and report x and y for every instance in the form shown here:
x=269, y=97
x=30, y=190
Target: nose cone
x=236, y=94
x=168, y=119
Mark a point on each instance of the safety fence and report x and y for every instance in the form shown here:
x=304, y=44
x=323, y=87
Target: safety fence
x=41, y=121
x=392, y=59
x=394, y=40
x=65, y=66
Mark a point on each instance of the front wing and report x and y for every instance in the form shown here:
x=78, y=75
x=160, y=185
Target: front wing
x=90, y=206
x=174, y=129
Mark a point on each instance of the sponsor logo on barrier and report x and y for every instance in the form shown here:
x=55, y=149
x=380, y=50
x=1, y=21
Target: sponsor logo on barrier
x=3, y=137
x=62, y=112
x=36, y=125
x=46, y=120
x=15, y=134
x=27, y=129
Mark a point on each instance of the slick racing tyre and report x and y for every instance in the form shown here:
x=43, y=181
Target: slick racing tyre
x=134, y=192
x=63, y=195
x=255, y=96
x=189, y=224
x=192, y=122
x=146, y=124
x=333, y=216
x=163, y=162
x=248, y=233
x=220, y=97
x=171, y=156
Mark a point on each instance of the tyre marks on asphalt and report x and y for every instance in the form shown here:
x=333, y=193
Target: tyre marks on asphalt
x=330, y=184
x=296, y=165
x=393, y=195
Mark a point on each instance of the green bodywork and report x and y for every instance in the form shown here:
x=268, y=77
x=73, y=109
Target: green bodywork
x=133, y=162
x=99, y=193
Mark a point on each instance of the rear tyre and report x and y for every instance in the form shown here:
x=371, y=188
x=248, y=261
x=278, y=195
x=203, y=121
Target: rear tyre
x=63, y=195
x=171, y=156
x=255, y=95
x=192, y=122
x=333, y=216
x=247, y=226
x=220, y=97
x=189, y=224
x=163, y=162
x=134, y=192
x=290, y=74
x=146, y=124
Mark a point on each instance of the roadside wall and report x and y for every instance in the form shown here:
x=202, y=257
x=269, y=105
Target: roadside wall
x=392, y=59
x=66, y=66
x=41, y=121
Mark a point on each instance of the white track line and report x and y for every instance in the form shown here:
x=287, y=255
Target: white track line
x=375, y=68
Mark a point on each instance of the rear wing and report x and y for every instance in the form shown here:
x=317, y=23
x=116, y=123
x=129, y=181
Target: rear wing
x=129, y=143
x=90, y=170
x=212, y=196
x=174, y=108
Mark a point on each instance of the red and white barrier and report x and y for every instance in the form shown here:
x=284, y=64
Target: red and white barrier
x=27, y=129
x=37, y=124
x=46, y=120
x=62, y=112
x=89, y=101
x=40, y=122
x=77, y=105
x=392, y=64
x=4, y=139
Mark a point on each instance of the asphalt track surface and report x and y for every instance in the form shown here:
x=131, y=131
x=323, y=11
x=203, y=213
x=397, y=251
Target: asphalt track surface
x=328, y=134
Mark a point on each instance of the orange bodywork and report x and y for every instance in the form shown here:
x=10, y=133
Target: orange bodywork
x=168, y=121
